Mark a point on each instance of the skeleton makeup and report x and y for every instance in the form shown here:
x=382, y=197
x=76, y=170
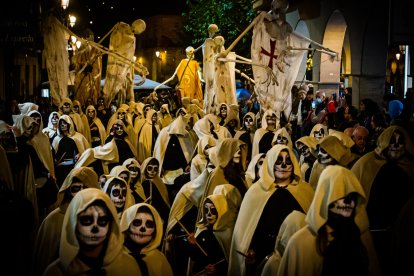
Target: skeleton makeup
x=133, y=171
x=283, y=167
x=344, y=206
x=248, y=122
x=237, y=157
x=210, y=212
x=63, y=126
x=324, y=157
x=92, y=225
x=118, y=194
x=396, y=148
x=142, y=228
x=152, y=169
x=55, y=119
x=121, y=115
x=223, y=111
x=282, y=140
x=319, y=134
x=29, y=130
x=303, y=150
x=118, y=129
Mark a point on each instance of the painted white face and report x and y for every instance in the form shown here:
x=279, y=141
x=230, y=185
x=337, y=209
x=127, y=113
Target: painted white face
x=92, y=225
x=55, y=119
x=396, y=148
x=248, y=122
x=282, y=140
x=134, y=171
x=304, y=150
x=324, y=157
x=151, y=171
x=119, y=129
x=118, y=195
x=75, y=187
x=344, y=206
x=319, y=134
x=121, y=115
x=223, y=111
x=29, y=130
x=142, y=228
x=237, y=157
x=283, y=166
x=210, y=212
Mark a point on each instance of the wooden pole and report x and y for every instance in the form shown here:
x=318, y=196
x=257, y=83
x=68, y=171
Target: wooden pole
x=198, y=245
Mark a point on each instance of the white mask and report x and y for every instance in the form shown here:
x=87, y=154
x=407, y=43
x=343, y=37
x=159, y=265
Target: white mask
x=92, y=225
x=396, y=148
x=324, y=157
x=210, y=212
x=141, y=229
x=283, y=167
x=118, y=195
x=344, y=206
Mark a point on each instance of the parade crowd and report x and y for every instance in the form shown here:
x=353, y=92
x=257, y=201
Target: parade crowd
x=141, y=189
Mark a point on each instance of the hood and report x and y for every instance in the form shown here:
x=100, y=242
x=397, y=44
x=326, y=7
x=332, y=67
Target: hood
x=223, y=153
x=284, y=133
x=310, y=142
x=267, y=172
x=49, y=122
x=222, y=208
x=178, y=126
x=86, y=175
x=264, y=122
x=129, y=200
x=318, y=127
x=129, y=215
x=130, y=161
x=148, y=118
x=65, y=100
x=144, y=167
x=203, y=142
x=117, y=170
x=336, y=149
x=251, y=168
x=384, y=140
x=290, y=225
x=25, y=108
x=336, y=182
x=69, y=246
x=76, y=102
x=345, y=139
x=22, y=123
x=41, y=118
x=90, y=108
x=253, y=116
x=68, y=120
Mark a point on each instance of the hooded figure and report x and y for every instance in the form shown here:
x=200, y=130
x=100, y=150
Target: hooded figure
x=77, y=108
x=387, y=176
x=319, y=131
x=336, y=240
x=52, y=125
x=263, y=137
x=96, y=128
x=119, y=192
x=209, y=125
x=282, y=137
x=253, y=169
x=292, y=223
x=229, y=159
x=134, y=169
x=164, y=116
x=213, y=222
x=143, y=231
x=66, y=108
x=147, y=136
x=266, y=204
x=200, y=160
x=174, y=148
x=156, y=193
x=306, y=146
x=92, y=213
x=46, y=248
x=246, y=132
x=331, y=151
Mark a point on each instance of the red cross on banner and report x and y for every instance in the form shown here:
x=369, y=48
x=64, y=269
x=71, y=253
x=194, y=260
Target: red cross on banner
x=271, y=54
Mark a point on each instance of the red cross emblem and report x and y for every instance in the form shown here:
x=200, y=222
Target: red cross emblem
x=271, y=54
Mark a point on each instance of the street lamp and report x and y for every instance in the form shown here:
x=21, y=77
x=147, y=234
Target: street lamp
x=64, y=4
x=72, y=20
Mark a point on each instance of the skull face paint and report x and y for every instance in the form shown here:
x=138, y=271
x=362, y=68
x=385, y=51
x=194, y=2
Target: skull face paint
x=91, y=113
x=248, y=122
x=29, y=130
x=283, y=167
x=271, y=121
x=223, y=111
x=324, y=157
x=118, y=194
x=121, y=115
x=55, y=119
x=152, y=169
x=67, y=108
x=63, y=126
x=142, y=228
x=92, y=225
x=304, y=150
x=282, y=140
x=118, y=129
x=396, y=148
x=344, y=206
x=319, y=134
x=133, y=171
x=210, y=212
